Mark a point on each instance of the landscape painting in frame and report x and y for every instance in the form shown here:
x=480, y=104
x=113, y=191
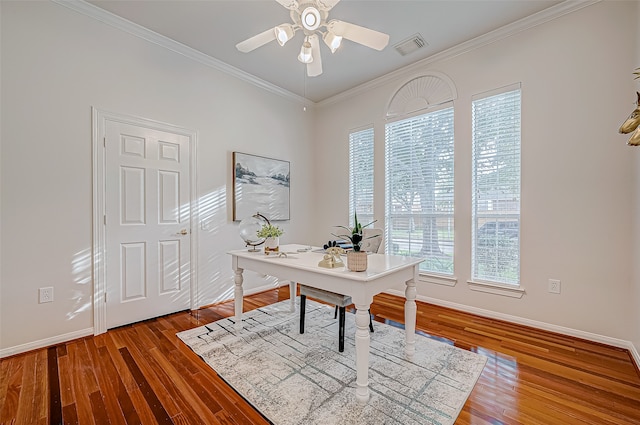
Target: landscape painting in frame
x=260, y=185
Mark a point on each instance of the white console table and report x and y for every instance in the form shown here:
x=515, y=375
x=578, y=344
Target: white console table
x=383, y=272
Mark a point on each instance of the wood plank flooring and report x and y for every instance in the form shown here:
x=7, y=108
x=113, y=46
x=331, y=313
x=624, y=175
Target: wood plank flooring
x=143, y=374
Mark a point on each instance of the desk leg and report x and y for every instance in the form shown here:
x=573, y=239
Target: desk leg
x=410, y=318
x=238, y=297
x=362, y=353
x=293, y=286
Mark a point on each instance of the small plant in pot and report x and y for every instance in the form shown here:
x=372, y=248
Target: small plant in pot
x=356, y=259
x=272, y=235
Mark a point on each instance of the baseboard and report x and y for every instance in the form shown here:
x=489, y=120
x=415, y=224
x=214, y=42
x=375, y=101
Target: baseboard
x=602, y=339
x=264, y=288
x=246, y=292
x=628, y=345
x=58, y=339
x=635, y=355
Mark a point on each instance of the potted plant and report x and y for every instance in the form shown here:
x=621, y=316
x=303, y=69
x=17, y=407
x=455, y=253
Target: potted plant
x=356, y=259
x=272, y=235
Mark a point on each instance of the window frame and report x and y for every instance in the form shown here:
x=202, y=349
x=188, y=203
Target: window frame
x=502, y=236
x=439, y=277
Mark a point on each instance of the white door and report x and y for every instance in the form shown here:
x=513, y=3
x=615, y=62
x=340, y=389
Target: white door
x=147, y=223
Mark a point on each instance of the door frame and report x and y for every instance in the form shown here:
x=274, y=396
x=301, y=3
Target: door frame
x=98, y=259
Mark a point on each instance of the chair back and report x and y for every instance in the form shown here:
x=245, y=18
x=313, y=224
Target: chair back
x=371, y=240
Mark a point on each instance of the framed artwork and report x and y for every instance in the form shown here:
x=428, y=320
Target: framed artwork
x=260, y=185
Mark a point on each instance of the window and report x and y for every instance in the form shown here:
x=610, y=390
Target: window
x=496, y=188
x=419, y=189
x=361, y=176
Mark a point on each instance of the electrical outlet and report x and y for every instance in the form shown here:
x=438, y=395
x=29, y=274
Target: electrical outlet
x=554, y=286
x=46, y=294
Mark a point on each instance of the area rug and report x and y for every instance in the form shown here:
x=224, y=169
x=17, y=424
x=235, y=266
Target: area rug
x=294, y=378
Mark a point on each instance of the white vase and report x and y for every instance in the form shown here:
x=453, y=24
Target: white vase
x=271, y=245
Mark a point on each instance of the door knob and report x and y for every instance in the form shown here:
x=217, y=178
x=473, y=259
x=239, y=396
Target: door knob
x=183, y=232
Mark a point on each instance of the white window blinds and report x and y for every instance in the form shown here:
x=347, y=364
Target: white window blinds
x=419, y=189
x=496, y=188
x=361, y=176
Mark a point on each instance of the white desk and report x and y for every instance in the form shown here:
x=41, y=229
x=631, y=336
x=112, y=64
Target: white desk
x=383, y=272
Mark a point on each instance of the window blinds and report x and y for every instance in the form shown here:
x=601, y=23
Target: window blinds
x=496, y=188
x=419, y=189
x=361, y=176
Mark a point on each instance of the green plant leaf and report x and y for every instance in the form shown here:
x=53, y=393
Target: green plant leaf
x=269, y=231
x=369, y=224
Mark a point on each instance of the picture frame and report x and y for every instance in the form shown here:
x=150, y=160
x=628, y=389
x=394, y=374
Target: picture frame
x=260, y=185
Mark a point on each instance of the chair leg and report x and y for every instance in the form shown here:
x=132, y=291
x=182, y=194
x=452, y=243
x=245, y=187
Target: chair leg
x=341, y=330
x=335, y=313
x=303, y=304
x=370, y=322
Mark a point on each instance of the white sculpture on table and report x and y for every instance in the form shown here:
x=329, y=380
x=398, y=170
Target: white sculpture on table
x=332, y=258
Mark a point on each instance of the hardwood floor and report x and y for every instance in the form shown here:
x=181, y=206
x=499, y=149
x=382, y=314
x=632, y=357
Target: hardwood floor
x=143, y=374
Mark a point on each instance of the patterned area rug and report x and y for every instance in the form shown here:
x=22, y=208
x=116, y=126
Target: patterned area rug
x=303, y=379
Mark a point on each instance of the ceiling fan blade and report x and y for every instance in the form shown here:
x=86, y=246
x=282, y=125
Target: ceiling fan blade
x=289, y=4
x=365, y=36
x=256, y=41
x=315, y=67
x=327, y=4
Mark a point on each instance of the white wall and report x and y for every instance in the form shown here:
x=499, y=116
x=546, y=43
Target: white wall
x=635, y=308
x=579, y=193
x=56, y=65
x=577, y=190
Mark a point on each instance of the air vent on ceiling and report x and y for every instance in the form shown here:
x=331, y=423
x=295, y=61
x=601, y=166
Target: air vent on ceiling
x=410, y=45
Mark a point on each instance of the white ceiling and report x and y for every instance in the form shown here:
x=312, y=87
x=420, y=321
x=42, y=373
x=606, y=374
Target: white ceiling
x=214, y=27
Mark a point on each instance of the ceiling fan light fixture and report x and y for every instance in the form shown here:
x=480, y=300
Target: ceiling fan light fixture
x=305, y=55
x=310, y=18
x=332, y=41
x=284, y=33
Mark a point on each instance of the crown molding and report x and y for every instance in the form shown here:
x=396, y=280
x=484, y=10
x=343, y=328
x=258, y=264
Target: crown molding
x=523, y=24
x=501, y=33
x=139, y=31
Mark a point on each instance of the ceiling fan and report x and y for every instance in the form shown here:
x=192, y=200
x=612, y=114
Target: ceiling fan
x=310, y=16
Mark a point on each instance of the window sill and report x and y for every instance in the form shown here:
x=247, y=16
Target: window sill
x=438, y=279
x=497, y=288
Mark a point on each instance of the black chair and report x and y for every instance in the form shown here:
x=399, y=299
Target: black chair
x=339, y=300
